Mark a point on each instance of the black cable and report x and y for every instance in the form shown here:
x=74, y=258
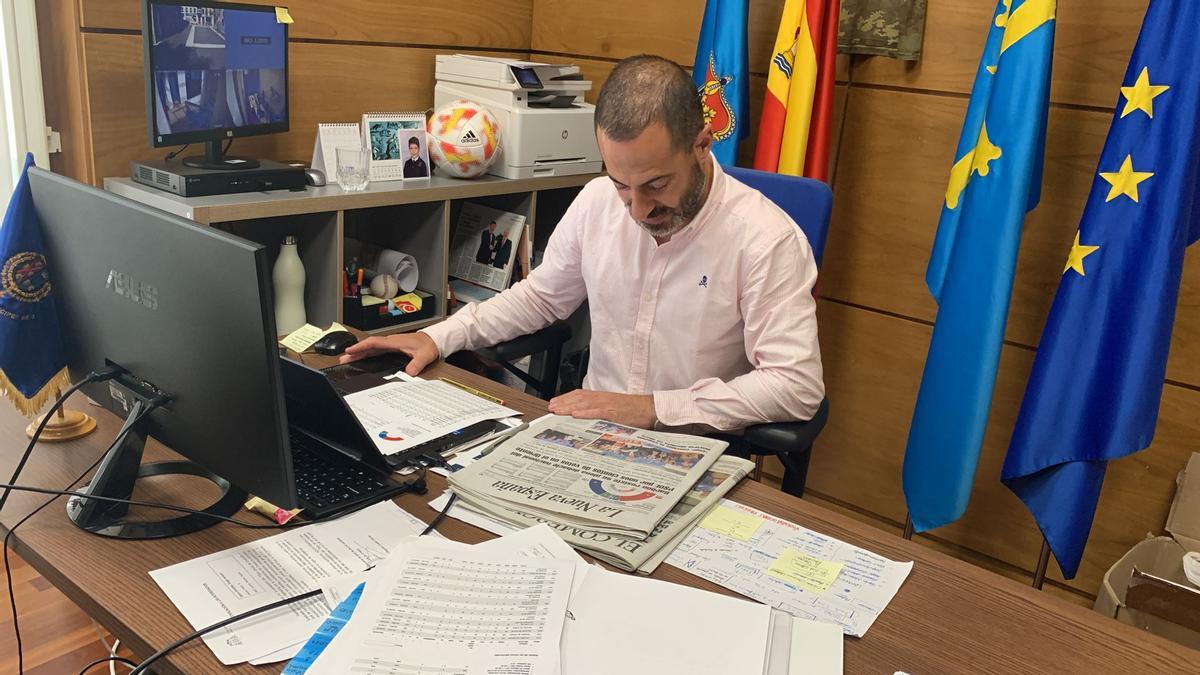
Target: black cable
x=266, y=608
x=94, y=376
x=118, y=659
x=228, y=145
x=12, y=596
x=172, y=155
x=437, y=520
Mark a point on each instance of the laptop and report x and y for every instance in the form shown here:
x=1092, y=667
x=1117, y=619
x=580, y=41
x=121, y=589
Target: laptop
x=334, y=461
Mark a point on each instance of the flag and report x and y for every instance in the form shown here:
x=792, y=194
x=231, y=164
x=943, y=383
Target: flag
x=994, y=181
x=1097, y=379
x=797, y=117
x=32, y=361
x=722, y=75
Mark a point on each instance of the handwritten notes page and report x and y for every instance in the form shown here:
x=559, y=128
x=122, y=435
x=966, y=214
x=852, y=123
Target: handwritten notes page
x=801, y=572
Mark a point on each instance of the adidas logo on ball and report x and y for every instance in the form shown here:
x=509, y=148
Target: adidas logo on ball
x=469, y=138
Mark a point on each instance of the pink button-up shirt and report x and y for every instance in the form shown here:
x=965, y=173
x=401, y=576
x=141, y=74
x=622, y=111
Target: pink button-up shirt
x=719, y=323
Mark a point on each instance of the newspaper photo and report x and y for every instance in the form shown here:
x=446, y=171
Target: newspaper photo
x=593, y=474
x=630, y=555
x=484, y=247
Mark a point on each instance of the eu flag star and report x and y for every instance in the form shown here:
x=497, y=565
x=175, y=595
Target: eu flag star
x=1125, y=181
x=1141, y=95
x=1078, y=253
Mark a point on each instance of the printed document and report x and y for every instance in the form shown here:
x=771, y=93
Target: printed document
x=399, y=415
x=804, y=573
x=218, y=586
x=455, y=610
x=629, y=624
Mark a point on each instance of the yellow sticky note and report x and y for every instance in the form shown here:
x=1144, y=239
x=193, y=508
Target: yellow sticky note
x=732, y=524
x=805, y=571
x=302, y=338
x=282, y=16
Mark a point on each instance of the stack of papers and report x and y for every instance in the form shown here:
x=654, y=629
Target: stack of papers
x=624, y=495
x=525, y=603
x=218, y=586
x=802, y=572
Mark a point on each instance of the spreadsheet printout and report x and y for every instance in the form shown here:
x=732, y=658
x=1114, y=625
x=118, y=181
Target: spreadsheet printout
x=433, y=609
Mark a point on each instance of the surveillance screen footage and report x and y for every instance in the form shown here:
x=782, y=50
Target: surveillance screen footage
x=216, y=68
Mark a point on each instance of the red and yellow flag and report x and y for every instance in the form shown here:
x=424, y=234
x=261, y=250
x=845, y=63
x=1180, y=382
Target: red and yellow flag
x=794, y=133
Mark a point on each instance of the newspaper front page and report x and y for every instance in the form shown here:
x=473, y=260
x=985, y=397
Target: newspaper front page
x=632, y=555
x=594, y=474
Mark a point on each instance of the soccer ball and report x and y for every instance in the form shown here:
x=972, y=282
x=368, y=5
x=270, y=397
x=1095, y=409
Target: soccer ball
x=464, y=139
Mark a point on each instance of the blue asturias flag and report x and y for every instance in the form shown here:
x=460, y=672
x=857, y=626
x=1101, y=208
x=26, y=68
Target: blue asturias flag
x=32, y=361
x=995, y=180
x=1094, y=391
x=722, y=75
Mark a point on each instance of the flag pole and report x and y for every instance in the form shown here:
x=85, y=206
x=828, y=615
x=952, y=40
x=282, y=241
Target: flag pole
x=67, y=424
x=1039, y=576
x=908, y=527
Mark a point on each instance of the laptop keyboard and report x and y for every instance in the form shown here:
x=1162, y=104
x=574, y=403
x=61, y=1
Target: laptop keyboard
x=325, y=484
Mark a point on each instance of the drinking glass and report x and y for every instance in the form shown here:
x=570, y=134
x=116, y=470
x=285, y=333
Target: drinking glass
x=352, y=169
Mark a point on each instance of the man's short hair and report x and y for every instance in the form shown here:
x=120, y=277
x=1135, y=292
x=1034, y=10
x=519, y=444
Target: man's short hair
x=643, y=90
x=412, y=140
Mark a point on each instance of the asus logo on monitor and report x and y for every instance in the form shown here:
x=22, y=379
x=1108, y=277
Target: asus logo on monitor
x=126, y=286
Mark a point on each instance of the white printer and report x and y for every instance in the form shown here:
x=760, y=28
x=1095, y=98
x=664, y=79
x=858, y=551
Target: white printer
x=546, y=128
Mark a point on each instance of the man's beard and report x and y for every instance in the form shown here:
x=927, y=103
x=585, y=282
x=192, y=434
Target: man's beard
x=689, y=206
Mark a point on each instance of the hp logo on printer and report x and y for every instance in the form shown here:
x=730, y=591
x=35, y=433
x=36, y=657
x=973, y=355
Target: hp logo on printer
x=469, y=138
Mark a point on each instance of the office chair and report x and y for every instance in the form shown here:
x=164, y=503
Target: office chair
x=549, y=340
x=809, y=203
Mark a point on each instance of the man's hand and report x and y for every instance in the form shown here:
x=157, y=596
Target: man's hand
x=418, y=346
x=635, y=410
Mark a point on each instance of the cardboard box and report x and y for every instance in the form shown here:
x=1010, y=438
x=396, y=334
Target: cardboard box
x=1161, y=557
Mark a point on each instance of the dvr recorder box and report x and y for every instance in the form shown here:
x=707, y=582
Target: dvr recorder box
x=186, y=181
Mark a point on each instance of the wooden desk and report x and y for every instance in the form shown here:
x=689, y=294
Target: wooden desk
x=949, y=617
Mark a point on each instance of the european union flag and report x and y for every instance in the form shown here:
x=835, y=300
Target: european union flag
x=1098, y=376
x=995, y=180
x=722, y=75
x=32, y=362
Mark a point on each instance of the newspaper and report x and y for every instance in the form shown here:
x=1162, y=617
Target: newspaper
x=630, y=555
x=485, y=245
x=591, y=474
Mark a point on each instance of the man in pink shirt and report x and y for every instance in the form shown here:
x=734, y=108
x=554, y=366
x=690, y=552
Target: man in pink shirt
x=699, y=288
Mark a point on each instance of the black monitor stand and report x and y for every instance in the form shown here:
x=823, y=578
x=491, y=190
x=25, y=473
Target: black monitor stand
x=120, y=469
x=215, y=158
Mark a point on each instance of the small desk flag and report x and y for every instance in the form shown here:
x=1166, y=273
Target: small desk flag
x=1098, y=375
x=996, y=178
x=32, y=361
x=722, y=75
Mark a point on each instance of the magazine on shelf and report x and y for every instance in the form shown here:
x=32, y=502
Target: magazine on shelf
x=485, y=245
x=593, y=474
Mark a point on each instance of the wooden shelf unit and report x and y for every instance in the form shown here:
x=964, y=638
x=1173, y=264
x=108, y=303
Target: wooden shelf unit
x=415, y=217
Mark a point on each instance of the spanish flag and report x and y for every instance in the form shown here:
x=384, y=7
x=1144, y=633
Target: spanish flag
x=793, y=136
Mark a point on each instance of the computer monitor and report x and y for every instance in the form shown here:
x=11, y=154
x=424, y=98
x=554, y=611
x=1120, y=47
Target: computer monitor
x=185, y=310
x=214, y=71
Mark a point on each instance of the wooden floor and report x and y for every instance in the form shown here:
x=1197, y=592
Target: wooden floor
x=57, y=636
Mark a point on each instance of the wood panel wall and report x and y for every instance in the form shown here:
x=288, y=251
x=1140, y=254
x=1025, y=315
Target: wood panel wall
x=898, y=124
x=346, y=58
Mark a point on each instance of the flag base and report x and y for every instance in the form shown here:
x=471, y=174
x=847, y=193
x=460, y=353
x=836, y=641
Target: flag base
x=70, y=425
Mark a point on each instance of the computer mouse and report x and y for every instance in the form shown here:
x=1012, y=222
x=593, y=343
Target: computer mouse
x=335, y=343
x=314, y=177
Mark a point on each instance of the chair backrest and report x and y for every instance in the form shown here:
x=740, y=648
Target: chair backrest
x=806, y=200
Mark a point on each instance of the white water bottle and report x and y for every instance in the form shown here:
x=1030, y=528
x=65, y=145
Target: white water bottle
x=288, y=277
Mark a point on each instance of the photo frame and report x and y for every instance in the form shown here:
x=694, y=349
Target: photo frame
x=414, y=148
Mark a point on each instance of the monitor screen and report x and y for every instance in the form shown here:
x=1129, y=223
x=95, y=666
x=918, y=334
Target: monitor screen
x=214, y=70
